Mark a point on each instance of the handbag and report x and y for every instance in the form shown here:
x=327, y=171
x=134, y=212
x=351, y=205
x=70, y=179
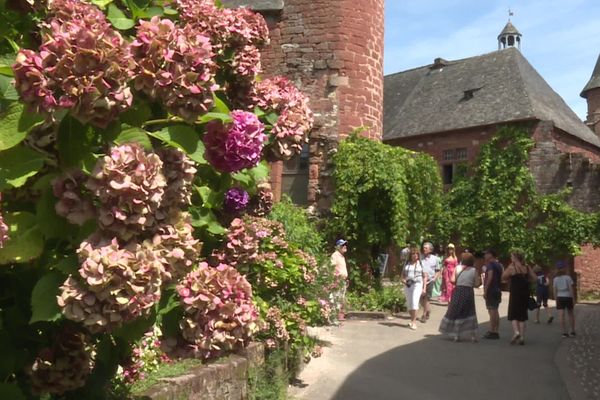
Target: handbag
x=531, y=303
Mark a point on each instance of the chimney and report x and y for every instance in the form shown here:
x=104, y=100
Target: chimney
x=439, y=63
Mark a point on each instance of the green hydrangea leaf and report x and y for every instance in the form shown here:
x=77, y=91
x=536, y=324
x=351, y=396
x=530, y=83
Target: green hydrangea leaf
x=134, y=135
x=17, y=165
x=15, y=123
x=11, y=391
x=101, y=3
x=183, y=137
x=50, y=224
x=118, y=19
x=25, y=241
x=44, y=306
x=73, y=141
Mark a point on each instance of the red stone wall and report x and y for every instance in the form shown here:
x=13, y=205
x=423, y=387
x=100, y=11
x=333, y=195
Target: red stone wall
x=436, y=144
x=587, y=269
x=333, y=51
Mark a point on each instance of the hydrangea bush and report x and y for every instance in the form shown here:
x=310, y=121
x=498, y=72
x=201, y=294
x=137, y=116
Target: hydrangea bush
x=145, y=128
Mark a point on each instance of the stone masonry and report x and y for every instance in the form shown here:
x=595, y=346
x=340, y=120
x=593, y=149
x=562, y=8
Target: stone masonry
x=333, y=51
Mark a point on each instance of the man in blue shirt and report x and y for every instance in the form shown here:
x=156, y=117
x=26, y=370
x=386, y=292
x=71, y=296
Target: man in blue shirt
x=492, y=292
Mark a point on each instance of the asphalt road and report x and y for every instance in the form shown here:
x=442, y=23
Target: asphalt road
x=385, y=360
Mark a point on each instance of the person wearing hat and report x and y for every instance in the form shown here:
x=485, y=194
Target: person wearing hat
x=564, y=294
x=338, y=261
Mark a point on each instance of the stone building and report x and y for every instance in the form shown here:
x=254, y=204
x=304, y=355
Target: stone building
x=333, y=51
x=450, y=108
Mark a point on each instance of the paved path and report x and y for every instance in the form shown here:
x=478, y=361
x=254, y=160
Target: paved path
x=380, y=360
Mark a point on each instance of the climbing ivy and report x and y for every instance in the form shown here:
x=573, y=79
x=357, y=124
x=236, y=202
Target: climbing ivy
x=384, y=195
x=496, y=205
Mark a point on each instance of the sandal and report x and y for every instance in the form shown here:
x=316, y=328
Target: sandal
x=515, y=339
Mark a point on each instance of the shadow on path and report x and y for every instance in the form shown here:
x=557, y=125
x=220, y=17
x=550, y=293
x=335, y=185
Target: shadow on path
x=436, y=368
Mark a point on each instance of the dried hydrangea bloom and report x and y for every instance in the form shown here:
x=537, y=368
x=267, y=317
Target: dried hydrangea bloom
x=129, y=185
x=3, y=228
x=177, y=248
x=68, y=10
x=241, y=245
x=179, y=171
x=226, y=27
x=83, y=66
x=219, y=314
x=236, y=200
x=117, y=285
x=295, y=117
x=63, y=367
x=261, y=204
x=72, y=201
x=231, y=147
x=276, y=325
x=175, y=66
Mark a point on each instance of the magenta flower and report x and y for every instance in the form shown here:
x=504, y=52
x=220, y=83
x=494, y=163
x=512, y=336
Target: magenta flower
x=234, y=146
x=236, y=200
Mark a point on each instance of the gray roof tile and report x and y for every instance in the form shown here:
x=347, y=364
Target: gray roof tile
x=594, y=81
x=493, y=88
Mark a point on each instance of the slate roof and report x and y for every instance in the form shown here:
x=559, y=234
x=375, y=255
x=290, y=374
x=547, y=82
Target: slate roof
x=493, y=88
x=594, y=80
x=509, y=29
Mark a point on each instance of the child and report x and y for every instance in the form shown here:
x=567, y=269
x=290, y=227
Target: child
x=541, y=294
x=564, y=295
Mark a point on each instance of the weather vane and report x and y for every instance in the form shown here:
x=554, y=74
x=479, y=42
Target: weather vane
x=510, y=13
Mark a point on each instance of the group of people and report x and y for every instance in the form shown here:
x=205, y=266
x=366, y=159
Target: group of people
x=459, y=278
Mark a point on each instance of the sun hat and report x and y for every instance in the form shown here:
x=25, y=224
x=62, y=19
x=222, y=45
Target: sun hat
x=450, y=246
x=340, y=242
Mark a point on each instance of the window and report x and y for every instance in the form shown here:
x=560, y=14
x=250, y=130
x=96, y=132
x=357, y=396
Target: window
x=294, y=179
x=457, y=154
x=447, y=173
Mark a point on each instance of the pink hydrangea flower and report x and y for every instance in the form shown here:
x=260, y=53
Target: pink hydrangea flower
x=295, y=120
x=129, y=185
x=83, y=66
x=175, y=65
x=231, y=147
x=3, y=228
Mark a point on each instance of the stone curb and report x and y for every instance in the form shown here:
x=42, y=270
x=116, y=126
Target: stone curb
x=225, y=379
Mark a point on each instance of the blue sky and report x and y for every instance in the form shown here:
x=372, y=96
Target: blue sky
x=561, y=38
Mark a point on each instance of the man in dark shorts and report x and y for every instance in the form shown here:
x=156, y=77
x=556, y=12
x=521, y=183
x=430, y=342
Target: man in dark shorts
x=492, y=292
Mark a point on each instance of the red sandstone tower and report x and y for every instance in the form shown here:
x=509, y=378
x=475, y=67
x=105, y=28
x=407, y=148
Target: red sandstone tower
x=333, y=51
x=591, y=92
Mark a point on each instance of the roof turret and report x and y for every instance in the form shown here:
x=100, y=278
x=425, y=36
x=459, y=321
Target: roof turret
x=594, y=81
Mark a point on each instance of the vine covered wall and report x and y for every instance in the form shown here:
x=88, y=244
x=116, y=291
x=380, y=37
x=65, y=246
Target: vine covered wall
x=496, y=205
x=384, y=195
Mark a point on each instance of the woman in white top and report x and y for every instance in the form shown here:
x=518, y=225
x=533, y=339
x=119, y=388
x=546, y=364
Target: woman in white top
x=413, y=277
